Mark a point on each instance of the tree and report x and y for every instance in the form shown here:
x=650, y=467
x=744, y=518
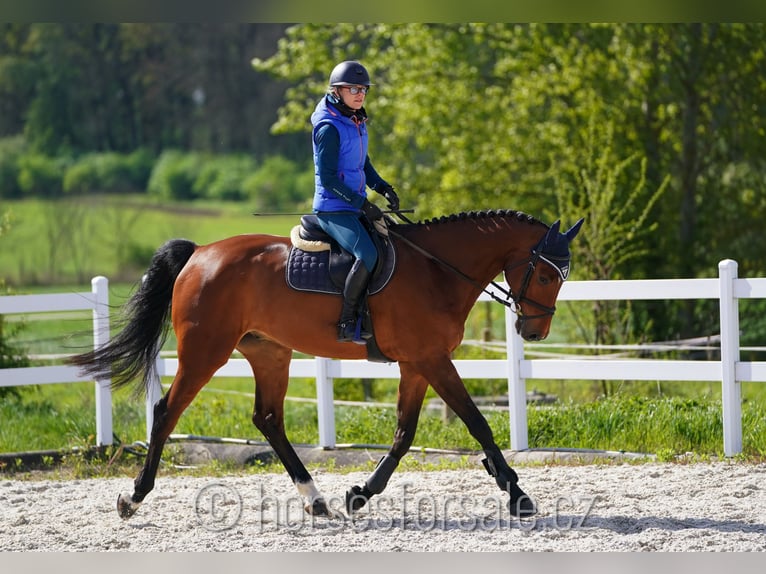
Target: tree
x=76, y=88
x=469, y=116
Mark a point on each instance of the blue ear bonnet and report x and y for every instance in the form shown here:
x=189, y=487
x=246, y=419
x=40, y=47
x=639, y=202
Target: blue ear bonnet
x=554, y=248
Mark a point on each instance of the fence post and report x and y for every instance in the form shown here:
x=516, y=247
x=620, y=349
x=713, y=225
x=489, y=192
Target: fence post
x=100, y=290
x=517, y=388
x=731, y=390
x=325, y=408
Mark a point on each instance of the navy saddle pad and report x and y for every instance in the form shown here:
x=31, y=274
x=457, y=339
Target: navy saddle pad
x=326, y=271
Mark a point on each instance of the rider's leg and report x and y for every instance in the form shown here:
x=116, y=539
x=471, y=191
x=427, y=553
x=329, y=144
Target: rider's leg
x=349, y=232
x=356, y=285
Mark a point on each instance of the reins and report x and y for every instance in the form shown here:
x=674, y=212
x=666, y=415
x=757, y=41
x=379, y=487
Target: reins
x=510, y=301
x=458, y=272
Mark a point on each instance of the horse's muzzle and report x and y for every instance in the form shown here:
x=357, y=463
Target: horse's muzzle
x=530, y=332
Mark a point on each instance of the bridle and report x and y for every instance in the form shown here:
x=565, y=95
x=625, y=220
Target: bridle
x=516, y=299
x=512, y=299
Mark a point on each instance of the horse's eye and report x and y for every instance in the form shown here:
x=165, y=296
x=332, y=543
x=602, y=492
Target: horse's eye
x=544, y=280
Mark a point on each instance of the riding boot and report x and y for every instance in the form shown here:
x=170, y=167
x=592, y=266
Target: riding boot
x=353, y=291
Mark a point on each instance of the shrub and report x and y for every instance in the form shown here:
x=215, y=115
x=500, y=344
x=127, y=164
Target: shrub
x=11, y=149
x=222, y=177
x=174, y=175
x=41, y=175
x=109, y=173
x=280, y=184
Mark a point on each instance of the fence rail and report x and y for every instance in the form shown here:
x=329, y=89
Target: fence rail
x=516, y=368
x=97, y=301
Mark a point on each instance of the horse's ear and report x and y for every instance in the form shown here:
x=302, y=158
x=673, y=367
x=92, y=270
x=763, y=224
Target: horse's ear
x=574, y=230
x=554, y=229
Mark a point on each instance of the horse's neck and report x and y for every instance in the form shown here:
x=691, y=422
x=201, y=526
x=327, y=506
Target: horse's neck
x=479, y=248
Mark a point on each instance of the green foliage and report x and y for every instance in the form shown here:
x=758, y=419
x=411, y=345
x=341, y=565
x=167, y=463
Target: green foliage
x=276, y=184
x=222, y=177
x=280, y=185
x=11, y=149
x=175, y=174
x=109, y=173
x=41, y=175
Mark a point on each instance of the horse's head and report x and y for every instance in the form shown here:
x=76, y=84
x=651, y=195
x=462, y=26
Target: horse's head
x=535, y=282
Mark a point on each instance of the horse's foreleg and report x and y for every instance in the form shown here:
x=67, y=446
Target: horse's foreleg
x=446, y=381
x=412, y=389
x=271, y=364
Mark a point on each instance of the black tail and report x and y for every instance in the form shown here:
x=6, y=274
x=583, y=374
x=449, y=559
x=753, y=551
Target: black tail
x=144, y=325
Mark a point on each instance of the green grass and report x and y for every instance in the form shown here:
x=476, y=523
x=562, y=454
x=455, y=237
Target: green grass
x=62, y=416
x=70, y=241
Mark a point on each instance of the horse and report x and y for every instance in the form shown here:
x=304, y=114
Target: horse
x=232, y=294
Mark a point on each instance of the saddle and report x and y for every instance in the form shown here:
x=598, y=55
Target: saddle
x=318, y=264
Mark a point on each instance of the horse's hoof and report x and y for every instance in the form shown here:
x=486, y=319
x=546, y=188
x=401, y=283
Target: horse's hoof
x=126, y=507
x=355, y=499
x=522, y=506
x=318, y=507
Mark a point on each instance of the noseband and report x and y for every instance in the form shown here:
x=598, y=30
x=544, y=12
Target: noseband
x=521, y=297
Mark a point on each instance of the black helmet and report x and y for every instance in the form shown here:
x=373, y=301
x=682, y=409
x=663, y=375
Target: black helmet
x=349, y=73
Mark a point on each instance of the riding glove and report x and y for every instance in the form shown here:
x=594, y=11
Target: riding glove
x=371, y=211
x=387, y=191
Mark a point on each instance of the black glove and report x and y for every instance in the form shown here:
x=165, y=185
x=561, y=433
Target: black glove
x=371, y=211
x=388, y=192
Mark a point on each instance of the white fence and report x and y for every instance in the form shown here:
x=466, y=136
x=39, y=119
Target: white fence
x=96, y=301
x=729, y=370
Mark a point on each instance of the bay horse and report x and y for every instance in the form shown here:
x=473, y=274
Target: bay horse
x=232, y=294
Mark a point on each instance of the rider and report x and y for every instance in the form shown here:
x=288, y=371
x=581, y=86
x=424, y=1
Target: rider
x=342, y=169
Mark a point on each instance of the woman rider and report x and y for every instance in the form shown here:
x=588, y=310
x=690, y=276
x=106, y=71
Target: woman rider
x=342, y=170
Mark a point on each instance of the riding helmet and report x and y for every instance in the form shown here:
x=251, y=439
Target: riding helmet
x=349, y=73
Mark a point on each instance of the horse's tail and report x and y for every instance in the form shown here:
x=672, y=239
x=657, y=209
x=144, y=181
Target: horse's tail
x=144, y=326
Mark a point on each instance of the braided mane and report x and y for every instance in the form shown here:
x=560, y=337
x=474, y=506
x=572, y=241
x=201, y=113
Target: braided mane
x=477, y=215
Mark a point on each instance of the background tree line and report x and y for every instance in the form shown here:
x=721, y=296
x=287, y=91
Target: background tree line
x=655, y=133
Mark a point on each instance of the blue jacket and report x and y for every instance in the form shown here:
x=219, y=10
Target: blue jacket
x=342, y=168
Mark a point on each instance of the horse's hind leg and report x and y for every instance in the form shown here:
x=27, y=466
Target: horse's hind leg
x=271, y=365
x=412, y=390
x=195, y=369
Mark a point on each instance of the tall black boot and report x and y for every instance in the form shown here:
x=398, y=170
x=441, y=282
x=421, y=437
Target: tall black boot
x=353, y=291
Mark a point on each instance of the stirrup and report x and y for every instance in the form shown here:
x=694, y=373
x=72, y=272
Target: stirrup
x=350, y=331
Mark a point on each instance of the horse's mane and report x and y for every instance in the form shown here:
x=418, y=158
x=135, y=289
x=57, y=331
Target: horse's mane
x=478, y=215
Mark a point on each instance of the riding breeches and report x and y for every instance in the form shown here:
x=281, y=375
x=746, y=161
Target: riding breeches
x=351, y=234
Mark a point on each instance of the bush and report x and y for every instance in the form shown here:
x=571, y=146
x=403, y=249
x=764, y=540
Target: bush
x=280, y=184
x=222, y=177
x=11, y=149
x=174, y=175
x=109, y=173
x=41, y=175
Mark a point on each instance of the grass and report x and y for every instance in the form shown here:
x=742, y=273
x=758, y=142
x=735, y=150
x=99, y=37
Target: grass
x=62, y=416
x=72, y=240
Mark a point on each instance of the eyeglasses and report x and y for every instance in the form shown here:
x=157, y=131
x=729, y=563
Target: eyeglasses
x=354, y=90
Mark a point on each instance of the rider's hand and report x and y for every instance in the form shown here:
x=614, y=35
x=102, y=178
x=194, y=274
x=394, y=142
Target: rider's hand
x=371, y=211
x=388, y=192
